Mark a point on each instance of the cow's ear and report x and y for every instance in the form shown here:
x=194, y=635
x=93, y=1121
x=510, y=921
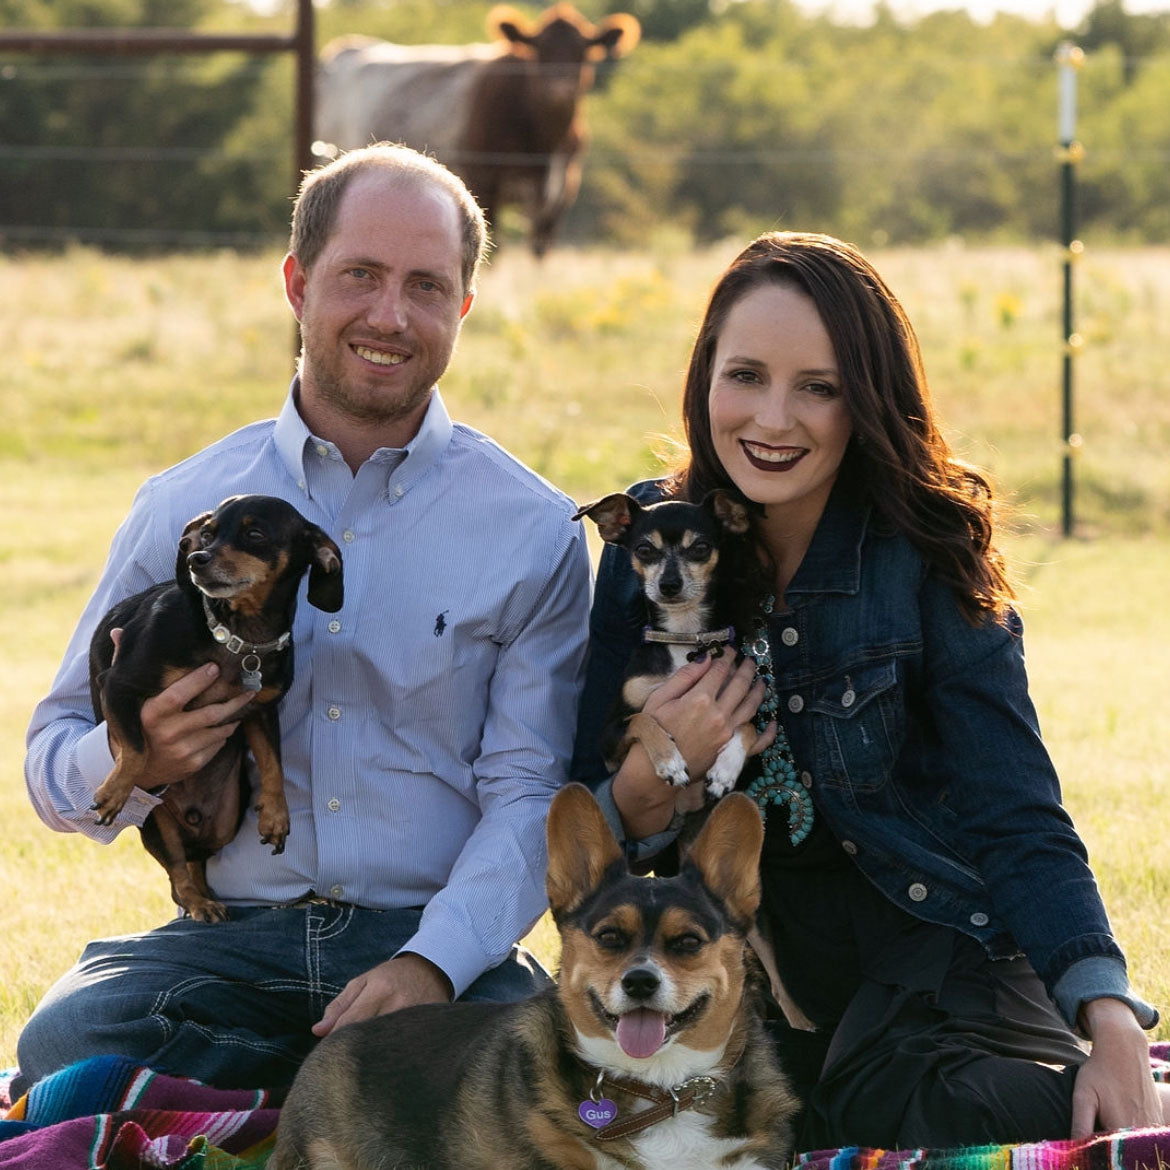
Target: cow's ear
x=618, y=34
x=506, y=23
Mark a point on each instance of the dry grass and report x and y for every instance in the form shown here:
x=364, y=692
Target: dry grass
x=115, y=368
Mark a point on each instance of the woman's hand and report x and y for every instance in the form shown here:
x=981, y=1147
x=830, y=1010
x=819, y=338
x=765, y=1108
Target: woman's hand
x=1114, y=1087
x=701, y=705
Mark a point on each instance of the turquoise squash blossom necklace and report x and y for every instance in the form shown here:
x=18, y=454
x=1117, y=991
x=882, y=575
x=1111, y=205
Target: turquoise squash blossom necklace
x=777, y=783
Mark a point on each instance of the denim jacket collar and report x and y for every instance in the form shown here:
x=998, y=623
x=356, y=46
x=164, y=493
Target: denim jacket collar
x=832, y=563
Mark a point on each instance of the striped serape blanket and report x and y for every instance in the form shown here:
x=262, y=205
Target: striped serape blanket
x=110, y=1114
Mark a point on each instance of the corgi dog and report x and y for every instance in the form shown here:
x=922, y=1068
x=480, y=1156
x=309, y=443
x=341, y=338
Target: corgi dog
x=674, y=547
x=648, y=1055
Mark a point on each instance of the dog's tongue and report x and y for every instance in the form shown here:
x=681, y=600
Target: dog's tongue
x=641, y=1033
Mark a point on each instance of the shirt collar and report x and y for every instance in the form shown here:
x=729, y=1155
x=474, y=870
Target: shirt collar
x=405, y=465
x=832, y=563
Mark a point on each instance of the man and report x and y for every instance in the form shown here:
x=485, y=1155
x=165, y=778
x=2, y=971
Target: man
x=431, y=718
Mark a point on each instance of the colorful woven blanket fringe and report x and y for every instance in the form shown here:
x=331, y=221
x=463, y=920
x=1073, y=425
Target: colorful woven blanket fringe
x=110, y=1114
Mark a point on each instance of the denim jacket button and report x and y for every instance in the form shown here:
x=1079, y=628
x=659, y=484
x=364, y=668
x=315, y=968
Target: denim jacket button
x=849, y=698
x=789, y=636
x=806, y=779
x=795, y=704
x=979, y=918
x=917, y=892
x=849, y=848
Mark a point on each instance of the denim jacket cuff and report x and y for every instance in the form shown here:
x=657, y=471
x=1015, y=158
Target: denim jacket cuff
x=1099, y=977
x=635, y=849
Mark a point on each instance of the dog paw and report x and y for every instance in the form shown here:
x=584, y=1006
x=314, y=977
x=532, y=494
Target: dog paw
x=673, y=769
x=206, y=910
x=106, y=808
x=726, y=769
x=273, y=825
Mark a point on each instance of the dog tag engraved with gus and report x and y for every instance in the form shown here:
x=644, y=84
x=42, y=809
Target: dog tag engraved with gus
x=597, y=1113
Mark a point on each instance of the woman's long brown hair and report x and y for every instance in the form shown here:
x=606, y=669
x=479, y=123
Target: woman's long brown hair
x=897, y=453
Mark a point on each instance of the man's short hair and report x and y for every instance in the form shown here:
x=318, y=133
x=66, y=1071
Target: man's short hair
x=315, y=209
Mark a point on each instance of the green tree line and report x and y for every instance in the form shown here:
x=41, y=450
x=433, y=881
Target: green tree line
x=731, y=116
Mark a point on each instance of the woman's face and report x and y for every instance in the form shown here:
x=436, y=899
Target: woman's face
x=778, y=416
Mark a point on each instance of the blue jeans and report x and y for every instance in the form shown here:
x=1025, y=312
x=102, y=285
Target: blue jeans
x=229, y=1003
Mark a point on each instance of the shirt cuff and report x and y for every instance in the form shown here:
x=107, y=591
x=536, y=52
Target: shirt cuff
x=462, y=967
x=1099, y=977
x=94, y=763
x=636, y=849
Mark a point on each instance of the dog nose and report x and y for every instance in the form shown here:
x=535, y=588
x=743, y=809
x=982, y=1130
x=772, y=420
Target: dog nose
x=198, y=558
x=640, y=983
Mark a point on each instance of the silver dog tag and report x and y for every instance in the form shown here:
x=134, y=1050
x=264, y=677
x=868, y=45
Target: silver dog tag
x=250, y=676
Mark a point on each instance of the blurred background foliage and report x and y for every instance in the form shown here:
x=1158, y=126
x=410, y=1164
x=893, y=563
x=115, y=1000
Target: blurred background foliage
x=732, y=116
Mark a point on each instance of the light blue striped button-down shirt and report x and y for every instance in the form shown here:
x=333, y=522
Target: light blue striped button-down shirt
x=434, y=713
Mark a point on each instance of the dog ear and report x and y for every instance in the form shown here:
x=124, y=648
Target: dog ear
x=613, y=516
x=727, y=855
x=729, y=511
x=187, y=547
x=325, y=580
x=581, y=847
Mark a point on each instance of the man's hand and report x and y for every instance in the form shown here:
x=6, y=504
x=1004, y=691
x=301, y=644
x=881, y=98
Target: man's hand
x=399, y=982
x=179, y=742
x=1114, y=1087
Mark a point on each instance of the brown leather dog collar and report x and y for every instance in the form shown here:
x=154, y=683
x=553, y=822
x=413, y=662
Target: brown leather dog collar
x=666, y=1102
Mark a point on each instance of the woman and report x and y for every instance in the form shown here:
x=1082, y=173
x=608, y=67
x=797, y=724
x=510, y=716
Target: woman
x=929, y=902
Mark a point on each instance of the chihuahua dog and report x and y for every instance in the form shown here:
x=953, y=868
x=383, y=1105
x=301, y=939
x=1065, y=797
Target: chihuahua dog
x=648, y=1055
x=232, y=603
x=675, y=548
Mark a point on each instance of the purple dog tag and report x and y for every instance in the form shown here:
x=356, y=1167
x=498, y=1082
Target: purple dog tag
x=597, y=1113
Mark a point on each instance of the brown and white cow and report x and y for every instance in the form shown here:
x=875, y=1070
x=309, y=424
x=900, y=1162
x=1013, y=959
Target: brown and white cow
x=506, y=116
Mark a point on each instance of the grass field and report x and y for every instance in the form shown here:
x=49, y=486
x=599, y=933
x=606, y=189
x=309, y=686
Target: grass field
x=116, y=368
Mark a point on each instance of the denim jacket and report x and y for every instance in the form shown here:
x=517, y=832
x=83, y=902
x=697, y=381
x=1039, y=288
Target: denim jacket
x=916, y=736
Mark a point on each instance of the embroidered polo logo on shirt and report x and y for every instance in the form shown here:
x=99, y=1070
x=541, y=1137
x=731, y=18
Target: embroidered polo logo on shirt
x=441, y=623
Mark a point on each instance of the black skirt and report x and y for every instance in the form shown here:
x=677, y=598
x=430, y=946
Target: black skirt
x=921, y=1039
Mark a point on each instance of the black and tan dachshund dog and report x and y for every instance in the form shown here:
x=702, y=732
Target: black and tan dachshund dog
x=232, y=602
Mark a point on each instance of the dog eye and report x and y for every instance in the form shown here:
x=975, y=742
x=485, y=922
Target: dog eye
x=255, y=536
x=685, y=944
x=645, y=551
x=699, y=551
x=206, y=536
x=610, y=938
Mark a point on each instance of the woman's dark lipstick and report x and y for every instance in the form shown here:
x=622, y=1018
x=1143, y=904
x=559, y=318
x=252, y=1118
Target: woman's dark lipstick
x=789, y=457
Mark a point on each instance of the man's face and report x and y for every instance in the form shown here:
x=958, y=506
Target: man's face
x=381, y=307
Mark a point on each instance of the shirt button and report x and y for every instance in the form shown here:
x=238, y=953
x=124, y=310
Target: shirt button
x=849, y=848
x=849, y=698
x=335, y=892
x=979, y=919
x=322, y=450
x=334, y=626
x=348, y=536
x=795, y=704
x=789, y=636
x=398, y=489
x=334, y=804
x=917, y=892
x=334, y=713
x=806, y=779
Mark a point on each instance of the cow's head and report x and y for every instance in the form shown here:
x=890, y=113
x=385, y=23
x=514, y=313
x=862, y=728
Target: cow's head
x=563, y=42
